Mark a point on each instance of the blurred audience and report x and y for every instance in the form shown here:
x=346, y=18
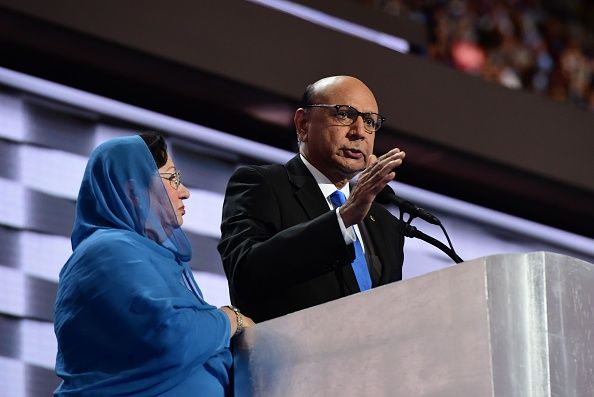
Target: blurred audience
x=545, y=46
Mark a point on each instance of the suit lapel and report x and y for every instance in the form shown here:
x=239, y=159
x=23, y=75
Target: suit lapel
x=307, y=191
x=310, y=197
x=381, y=247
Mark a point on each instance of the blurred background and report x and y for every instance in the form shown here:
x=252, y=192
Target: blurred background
x=493, y=101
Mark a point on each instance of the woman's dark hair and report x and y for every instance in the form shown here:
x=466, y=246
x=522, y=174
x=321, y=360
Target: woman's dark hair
x=157, y=146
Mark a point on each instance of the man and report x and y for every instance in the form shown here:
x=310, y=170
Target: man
x=288, y=241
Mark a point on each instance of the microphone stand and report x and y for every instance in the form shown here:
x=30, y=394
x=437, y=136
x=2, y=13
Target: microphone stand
x=410, y=231
x=387, y=196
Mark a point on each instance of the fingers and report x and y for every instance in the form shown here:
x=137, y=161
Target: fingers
x=389, y=177
x=371, y=181
x=384, y=165
x=393, y=155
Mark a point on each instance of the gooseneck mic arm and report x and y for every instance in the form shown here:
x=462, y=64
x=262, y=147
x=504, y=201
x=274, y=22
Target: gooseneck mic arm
x=387, y=196
x=413, y=232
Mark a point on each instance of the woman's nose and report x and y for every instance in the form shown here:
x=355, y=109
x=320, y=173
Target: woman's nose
x=183, y=192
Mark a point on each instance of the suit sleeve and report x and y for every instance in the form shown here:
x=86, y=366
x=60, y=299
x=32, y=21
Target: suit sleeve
x=257, y=255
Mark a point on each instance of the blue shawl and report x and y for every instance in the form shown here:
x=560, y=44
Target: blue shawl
x=129, y=317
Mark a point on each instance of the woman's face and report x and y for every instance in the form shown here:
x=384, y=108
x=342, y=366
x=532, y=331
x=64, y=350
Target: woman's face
x=177, y=193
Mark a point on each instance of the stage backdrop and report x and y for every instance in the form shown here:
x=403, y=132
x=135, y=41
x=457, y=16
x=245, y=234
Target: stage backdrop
x=46, y=134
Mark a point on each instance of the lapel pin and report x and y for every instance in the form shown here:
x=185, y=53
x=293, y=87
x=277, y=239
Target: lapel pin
x=372, y=218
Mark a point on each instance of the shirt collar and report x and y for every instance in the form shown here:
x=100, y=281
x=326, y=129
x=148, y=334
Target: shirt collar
x=323, y=182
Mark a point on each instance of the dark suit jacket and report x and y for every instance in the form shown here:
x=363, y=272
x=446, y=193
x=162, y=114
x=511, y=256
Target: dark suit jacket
x=282, y=248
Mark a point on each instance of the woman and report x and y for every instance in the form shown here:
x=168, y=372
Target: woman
x=129, y=317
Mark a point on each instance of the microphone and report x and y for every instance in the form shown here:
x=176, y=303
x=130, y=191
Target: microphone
x=387, y=196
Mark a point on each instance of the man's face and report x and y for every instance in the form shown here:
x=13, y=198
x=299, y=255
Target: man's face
x=338, y=151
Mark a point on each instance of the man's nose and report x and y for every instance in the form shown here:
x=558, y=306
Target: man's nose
x=358, y=128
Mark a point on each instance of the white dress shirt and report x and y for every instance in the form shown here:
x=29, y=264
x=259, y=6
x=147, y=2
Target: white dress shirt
x=327, y=189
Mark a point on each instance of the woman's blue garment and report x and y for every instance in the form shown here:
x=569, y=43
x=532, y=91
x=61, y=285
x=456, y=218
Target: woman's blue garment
x=126, y=323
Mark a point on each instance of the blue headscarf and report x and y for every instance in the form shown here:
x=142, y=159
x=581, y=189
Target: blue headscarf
x=129, y=317
x=122, y=189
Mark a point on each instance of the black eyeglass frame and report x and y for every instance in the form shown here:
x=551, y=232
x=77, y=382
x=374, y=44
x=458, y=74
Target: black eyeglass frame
x=174, y=178
x=353, y=110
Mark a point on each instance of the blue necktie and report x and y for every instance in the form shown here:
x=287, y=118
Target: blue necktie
x=359, y=264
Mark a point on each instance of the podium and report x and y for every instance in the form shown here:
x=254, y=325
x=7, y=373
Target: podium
x=514, y=325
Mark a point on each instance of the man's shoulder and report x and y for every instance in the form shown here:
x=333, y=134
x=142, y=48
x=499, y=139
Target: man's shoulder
x=273, y=172
x=261, y=169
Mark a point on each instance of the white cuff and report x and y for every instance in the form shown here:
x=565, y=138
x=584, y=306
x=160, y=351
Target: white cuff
x=347, y=234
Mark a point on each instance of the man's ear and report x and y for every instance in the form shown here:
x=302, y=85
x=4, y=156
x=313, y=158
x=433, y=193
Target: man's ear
x=301, y=121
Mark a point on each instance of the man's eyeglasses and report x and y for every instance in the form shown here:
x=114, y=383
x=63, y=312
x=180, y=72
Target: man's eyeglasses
x=347, y=115
x=174, y=178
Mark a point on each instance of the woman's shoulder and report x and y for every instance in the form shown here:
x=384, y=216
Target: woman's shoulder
x=118, y=240
x=105, y=249
x=122, y=244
